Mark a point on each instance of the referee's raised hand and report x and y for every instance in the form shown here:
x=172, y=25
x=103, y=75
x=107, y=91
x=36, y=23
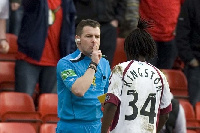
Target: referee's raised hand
x=96, y=54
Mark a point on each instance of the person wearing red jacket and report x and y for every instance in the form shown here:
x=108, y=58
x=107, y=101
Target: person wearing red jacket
x=164, y=17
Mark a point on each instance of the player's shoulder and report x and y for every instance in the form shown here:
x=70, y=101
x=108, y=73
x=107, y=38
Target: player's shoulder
x=161, y=73
x=119, y=68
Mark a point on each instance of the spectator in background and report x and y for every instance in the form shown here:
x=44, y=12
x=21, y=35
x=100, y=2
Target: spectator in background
x=164, y=14
x=4, y=14
x=46, y=35
x=131, y=18
x=109, y=13
x=15, y=17
x=82, y=77
x=188, y=42
x=15, y=4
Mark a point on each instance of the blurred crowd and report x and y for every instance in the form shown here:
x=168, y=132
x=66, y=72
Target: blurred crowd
x=46, y=31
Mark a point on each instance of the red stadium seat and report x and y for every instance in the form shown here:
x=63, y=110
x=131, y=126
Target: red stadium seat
x=47, y=107
x=18, y=107
x=48, y=128
x=191, y=131
x=119, y=55
x=7, y=75
x=191, y=121
x=197, y=110
x=177, y=82
x=11, y=127
x=11, y=55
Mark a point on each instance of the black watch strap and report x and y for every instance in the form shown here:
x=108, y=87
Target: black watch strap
x=93, y=67
x=92, y=62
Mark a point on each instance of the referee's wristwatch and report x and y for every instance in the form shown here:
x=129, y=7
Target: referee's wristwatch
x=93, y=66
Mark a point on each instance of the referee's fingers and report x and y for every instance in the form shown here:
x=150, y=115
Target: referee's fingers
x=95, y=47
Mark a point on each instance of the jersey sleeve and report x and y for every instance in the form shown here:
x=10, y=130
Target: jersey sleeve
x=165, y=103
x=111, y=98
x=66, y=73
x=115, y=87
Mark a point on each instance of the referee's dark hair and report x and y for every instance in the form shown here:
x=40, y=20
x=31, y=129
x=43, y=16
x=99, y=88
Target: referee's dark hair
x=140, y=43
x=86, y=22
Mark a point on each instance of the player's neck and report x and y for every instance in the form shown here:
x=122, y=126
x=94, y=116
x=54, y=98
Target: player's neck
x=141, y=58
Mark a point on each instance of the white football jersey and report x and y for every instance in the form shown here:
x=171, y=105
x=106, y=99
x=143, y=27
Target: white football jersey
x=143, y=92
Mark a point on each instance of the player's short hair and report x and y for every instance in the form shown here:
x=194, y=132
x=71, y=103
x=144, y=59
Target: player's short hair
x=140, y=43
x=86, y=22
